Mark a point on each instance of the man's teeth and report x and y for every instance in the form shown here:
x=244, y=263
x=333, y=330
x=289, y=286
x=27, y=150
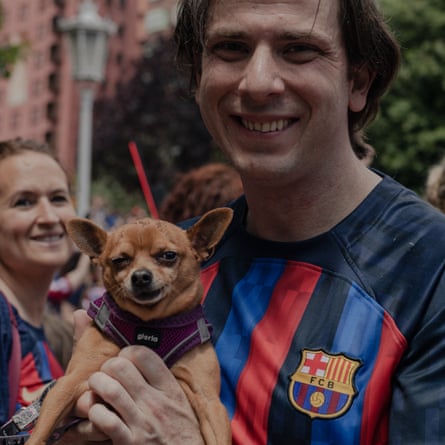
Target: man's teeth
x=266, y=127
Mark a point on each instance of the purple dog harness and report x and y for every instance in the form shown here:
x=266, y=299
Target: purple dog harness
x=169, y=337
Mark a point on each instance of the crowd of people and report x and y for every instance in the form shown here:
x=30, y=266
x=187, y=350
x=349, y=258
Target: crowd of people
x=327, y=293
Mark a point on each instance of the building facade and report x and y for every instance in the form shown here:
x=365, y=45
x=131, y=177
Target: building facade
x=40, y=99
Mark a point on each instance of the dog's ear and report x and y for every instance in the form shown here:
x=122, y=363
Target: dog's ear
x=88, y=237
x=208, y=231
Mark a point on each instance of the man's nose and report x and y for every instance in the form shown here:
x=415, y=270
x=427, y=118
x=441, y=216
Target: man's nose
x=261, y=76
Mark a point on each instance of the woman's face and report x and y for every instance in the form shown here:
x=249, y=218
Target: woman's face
x=34, y=205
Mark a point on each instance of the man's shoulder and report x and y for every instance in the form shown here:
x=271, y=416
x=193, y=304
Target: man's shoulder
x=392, y=213
x=409, y=212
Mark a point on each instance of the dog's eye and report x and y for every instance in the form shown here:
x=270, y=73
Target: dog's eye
x=168, y=257
x=120, y=261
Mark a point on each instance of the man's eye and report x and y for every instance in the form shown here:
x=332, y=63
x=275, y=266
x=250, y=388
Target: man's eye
x=229, y=50
x=120, y=261
x=301, y=53
x=168, y=257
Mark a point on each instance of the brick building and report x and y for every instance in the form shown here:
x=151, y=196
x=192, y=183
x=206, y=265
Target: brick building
x=40, y=100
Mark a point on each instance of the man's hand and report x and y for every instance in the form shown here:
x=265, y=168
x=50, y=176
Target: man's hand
x=135, y=400
x=144, y=404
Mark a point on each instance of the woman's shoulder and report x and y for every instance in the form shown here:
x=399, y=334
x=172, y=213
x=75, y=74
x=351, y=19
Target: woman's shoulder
x=5, y=314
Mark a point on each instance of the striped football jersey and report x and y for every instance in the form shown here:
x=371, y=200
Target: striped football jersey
x=339, y=339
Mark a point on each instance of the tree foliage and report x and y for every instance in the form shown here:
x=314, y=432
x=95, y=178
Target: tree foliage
x=156, y=112
x=409, y=135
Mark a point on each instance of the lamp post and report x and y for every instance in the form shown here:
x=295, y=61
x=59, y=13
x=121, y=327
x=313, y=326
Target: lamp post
x=88, y=35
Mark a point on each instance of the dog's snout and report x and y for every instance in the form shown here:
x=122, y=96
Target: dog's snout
x=141, y=278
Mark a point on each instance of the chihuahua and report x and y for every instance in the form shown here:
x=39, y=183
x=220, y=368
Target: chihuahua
x=151, y=274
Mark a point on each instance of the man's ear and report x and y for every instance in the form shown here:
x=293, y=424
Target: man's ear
x=360, y=83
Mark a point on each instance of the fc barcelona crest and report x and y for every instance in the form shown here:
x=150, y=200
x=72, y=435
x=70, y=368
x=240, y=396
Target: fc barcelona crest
x=323, y=384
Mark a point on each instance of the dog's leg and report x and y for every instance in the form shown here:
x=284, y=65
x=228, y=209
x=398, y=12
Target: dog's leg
x=91, y=351
x=57, y=406
x=198, y=374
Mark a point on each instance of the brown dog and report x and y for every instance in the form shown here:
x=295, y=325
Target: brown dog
x=151, y=272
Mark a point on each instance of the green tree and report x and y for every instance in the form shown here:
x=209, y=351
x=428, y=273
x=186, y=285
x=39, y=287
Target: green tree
x=154, y=110
x=409, y=134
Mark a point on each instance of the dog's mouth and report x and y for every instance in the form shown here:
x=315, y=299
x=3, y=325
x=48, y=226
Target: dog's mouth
x=148, y=297
x=144, y=288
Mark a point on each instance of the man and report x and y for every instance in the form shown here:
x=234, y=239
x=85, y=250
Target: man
x=327, y=295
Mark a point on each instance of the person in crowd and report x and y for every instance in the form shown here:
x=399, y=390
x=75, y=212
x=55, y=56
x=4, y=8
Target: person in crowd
x=136, y=212
x=68, y=285
x=99, y=211
x=59, y=335
x=200, y=189
x=327, y=293
x=35, y=202
x=435, y=185
x=64, y=297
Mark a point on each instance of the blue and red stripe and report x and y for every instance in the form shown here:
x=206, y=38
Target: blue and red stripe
x=277, y=294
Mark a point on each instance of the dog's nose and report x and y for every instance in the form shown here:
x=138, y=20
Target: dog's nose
x=141, y=278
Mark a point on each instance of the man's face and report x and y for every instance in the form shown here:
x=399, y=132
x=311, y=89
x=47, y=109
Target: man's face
x=274, y=90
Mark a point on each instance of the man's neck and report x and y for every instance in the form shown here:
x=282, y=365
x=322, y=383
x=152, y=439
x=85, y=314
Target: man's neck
x=299, y=212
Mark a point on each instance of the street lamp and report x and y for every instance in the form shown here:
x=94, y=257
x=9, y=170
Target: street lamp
x=88, y=34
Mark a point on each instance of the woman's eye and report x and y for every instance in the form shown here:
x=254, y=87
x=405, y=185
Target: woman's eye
x=60, y=199
x=23, y=202
x=168, y=257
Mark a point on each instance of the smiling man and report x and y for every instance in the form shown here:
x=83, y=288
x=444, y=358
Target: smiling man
x=273, y=77
x=327, y=294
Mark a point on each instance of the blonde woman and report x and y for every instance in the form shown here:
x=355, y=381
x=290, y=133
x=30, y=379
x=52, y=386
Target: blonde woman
x=35, y=203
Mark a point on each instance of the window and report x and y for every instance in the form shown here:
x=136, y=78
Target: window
x=23, y=12
x=15, y=120
x=35, y=116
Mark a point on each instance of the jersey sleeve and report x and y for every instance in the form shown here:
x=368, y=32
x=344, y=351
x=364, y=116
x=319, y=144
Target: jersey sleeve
x=418, y=403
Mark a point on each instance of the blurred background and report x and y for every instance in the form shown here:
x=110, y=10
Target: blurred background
x=141, y=97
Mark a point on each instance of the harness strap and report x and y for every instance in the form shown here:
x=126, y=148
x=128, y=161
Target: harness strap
x=170, y=337
x=14, y=362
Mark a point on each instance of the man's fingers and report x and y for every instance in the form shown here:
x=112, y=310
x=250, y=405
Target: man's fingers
x=151, y=366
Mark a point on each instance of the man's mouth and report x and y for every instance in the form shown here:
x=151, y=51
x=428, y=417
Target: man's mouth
x=266, y=127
